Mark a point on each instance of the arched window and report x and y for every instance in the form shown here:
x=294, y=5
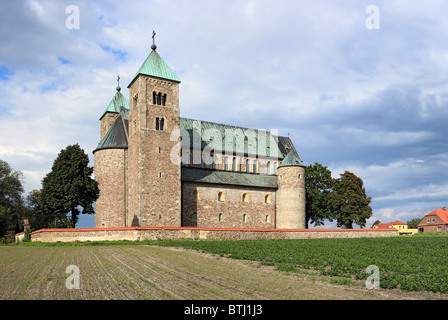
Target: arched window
x=275, y=167
x=221, y=196
x=202, y=162
x=195, y=195
x=244, y=217
x=219, y=217
x=164, y=100
x=159, y=98
x=154, y=97
x=160, y=123
x=255, y=166
x=245, y=197
x=268, y=168
x=247, y=165
x=266, y=219
x=267, y=198
x=225, y=163
x=234, y=164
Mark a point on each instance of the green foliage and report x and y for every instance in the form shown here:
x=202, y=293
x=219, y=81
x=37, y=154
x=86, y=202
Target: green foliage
x=413, y=223
x=318, y=184
x=69, y=186
x=348, y=201
x=417, y=263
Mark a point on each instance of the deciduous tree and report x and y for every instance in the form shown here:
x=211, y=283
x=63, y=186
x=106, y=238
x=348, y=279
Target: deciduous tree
x=348, y=201
x=318, y=185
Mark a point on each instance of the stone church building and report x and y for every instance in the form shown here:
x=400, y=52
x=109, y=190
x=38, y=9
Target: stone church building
x=155, y=168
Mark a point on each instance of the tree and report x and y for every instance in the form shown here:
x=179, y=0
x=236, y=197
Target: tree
x=11, y=201
x=318, y=185
x=69, y=186
x=412, y=224
x=348, y=201
x=37, y=216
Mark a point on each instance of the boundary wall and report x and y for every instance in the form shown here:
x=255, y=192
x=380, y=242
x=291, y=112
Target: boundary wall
x=155, y=233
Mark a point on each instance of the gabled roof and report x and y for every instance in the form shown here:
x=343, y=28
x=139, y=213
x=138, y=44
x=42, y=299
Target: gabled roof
x=227, y=177
x=117, y=102
x=240, y=140
x=441, y=213
x=398, y=222
x=154, y=66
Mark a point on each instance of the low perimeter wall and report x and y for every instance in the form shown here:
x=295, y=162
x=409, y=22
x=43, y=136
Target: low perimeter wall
x=154, y=233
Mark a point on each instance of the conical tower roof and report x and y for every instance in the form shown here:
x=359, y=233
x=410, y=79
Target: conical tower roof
x=116, y=103
x=291, y=159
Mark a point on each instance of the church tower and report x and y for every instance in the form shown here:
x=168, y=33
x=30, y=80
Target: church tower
x=154, y=180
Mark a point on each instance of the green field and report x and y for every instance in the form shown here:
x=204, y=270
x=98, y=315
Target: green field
x=418, y=263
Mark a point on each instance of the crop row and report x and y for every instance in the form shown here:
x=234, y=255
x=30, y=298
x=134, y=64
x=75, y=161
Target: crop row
x=408, y=263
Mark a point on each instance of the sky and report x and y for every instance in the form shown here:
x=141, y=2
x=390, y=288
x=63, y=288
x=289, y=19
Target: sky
x=359, y=86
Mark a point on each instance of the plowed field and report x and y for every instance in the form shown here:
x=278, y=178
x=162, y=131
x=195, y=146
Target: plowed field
x=130, y=272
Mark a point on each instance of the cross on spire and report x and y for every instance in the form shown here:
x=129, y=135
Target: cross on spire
x=153, y=47
x=118, y=83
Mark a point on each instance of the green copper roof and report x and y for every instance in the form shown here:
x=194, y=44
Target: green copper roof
x=155, y=66
x=116, y=103
x=228, y=177
x=291, y=159
x=115, y=138
x=232, y=139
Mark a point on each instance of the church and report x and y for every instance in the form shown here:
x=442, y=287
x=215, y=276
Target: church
x=157, y=169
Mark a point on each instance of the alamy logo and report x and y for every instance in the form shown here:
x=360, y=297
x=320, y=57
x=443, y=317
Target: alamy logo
x=72, y=21
x=72, y=281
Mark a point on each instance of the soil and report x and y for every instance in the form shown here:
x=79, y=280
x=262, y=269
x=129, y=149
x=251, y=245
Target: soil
x=161, y=273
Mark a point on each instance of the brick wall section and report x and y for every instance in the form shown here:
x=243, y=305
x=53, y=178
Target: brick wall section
x=110, y=174
x=432, y=226
x=208, y=208
x=154, y=233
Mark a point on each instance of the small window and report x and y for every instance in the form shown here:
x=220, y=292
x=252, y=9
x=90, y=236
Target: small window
x=300, y=176
x=226, y=163
x=211, y=162
x=247, y=165
x=221, y=196
x=154, y=97
x=162, y=122
x=439, y=229
x=266, y=219
x=202, y=162
x=244, y=217
x=220, y=217
x=164, y=100
x=255, y=166
x=267, y=198
x=275, y=167
x=195, y=195
x=234, y=164
x=268, y=168
x=245, y=197
x=159, y=98
x=187, y=159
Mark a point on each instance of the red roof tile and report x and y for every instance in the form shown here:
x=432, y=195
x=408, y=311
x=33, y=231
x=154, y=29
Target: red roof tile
x=441, y=213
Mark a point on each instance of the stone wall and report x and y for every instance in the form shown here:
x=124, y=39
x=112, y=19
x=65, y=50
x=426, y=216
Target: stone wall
x=154, y=233
x=110, y=166
x=222, y=206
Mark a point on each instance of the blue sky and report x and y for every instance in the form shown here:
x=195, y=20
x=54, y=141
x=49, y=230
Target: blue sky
x=370, y=101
